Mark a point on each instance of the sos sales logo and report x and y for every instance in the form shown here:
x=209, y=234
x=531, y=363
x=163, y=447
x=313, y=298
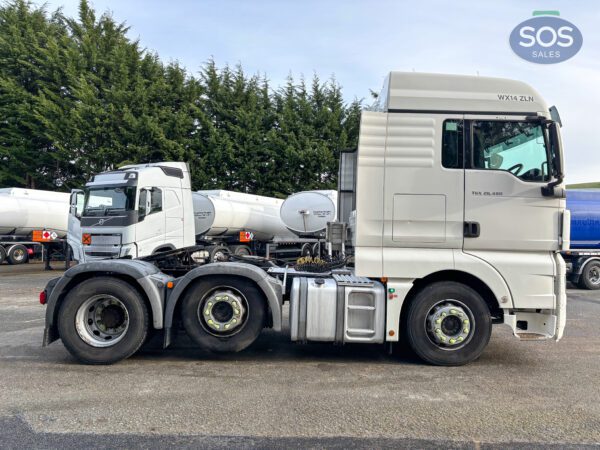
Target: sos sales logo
x=546, y=38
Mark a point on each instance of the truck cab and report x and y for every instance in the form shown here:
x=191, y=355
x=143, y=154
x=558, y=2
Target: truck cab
x=135, y=211
x=460, y=179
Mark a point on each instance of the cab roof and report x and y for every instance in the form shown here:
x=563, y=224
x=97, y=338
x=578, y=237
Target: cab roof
x=462, y=94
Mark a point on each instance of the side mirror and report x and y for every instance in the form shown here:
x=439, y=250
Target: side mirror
x=550, y=189
x=148, y=202
x=144, y=204
x=76, y=201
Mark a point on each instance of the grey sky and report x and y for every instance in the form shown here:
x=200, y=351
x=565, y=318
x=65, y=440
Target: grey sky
x=360, y=41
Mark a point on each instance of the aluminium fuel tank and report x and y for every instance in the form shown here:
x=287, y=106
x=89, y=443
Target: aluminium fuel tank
x=25, y=210
x=226, y=213
x=584, y=205
x=307, y=213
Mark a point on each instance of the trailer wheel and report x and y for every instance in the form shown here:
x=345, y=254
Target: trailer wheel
x=218, y=253
x=223, y=314
x=241, y=250
x=103, y=320
x=590, y=276
x=448, y=324
x=2, y=254
x=17, y=254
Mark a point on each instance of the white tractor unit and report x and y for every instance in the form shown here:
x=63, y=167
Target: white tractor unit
x=458, y=221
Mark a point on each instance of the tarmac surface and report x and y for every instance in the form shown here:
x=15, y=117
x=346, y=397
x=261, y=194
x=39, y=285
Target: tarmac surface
x=279, y=394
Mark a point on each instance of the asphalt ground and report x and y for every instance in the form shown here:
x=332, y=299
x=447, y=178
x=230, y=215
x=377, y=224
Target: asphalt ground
x=278, y=394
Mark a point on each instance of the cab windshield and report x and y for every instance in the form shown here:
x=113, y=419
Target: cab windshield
x=108, y=200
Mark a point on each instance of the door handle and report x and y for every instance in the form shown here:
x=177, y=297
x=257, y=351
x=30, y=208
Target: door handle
x=471, y=229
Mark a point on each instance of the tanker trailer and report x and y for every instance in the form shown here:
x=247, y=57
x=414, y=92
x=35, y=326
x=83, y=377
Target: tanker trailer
x=583, y=256
x=233, y=221
x=29, y=217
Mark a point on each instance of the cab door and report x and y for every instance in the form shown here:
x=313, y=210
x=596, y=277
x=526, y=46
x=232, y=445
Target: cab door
x=508, y=222
x=508, y=164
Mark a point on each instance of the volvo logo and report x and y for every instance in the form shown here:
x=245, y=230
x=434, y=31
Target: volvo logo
x=546, y=38
x=101, y=222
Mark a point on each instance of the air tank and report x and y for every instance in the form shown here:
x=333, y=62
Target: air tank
x=307, y=213
x=25, y=210
x=584, y=205
x=226, y=213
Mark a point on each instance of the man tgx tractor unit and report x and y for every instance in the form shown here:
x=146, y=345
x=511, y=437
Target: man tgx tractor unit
x=458, y=223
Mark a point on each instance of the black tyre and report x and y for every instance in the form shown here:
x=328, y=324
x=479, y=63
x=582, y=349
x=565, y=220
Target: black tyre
x=447, y=324
x=590, y=276
x=223, y=314
x=103, y=320
x=17, y=254
x=240, y=250
x=2, y=254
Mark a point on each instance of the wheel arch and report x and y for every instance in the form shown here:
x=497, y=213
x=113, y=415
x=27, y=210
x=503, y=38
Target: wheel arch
x=134, y=273
x=582, y=265
x=163, y=248
x=267, y=285
x=457, y=276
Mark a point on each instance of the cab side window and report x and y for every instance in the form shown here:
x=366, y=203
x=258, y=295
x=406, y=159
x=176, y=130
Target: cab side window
x=515, y=147
x=452, y=144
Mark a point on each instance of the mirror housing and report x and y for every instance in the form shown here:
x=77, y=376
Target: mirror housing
x=144, y=203
x=550, y=189
x=74, y=210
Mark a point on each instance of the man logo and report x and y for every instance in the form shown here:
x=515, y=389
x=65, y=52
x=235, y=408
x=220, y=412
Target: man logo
x=546, y=38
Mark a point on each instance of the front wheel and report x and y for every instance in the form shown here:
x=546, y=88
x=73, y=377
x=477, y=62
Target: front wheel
x=103, y=320
x=223, y=314
x=448, y=324
x=590, y=276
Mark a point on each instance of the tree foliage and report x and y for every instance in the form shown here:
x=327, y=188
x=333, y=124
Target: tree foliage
x=78, y=97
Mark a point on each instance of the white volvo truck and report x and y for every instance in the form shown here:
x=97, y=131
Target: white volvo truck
x=458, y=223
x=146, y=209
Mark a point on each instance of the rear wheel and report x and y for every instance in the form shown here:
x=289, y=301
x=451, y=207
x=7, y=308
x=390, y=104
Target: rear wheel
x=590, y=276
x=223, y=314
x=448, y=324
x=103, y=320
x=17, y=254
x=2, y=254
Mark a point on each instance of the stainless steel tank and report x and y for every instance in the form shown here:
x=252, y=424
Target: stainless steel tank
x=307, y=213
